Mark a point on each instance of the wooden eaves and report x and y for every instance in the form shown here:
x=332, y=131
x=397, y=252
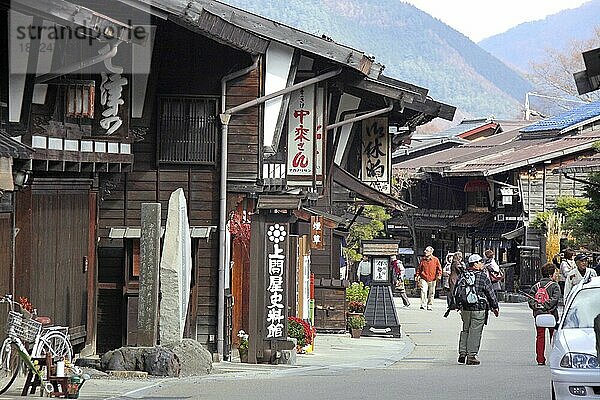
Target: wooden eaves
x=192, y=13
x=366, y=192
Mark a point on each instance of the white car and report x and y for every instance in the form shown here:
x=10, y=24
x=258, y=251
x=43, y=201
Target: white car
x=574, y=360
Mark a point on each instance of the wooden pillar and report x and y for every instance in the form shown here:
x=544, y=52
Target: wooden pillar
x=147, y=334
x=257, y=268
x=269, y=258
x=92, y=275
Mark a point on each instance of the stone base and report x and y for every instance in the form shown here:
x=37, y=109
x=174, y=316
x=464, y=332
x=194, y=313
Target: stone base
x=157, y=360
x=195, y=359
x=288, y=357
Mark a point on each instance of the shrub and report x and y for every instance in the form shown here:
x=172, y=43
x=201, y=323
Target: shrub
x=357, y=292
x=300, y=330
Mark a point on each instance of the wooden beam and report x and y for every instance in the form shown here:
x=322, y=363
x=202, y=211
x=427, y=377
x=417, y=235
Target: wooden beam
x=364, y=191
x=305, y=216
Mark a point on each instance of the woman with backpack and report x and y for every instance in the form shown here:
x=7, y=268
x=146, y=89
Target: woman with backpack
x=474, y=297
x=543, y=299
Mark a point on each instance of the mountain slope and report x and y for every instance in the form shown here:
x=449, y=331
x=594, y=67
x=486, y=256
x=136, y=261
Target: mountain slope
x=527, y=42
x=414, y=47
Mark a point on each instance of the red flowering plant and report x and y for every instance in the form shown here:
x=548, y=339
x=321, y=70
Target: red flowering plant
x=239, y=227
x=356, y=307
x=301, y=330
x=26, y=305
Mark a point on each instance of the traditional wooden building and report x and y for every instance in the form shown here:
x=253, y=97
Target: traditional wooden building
x=266, y=129
x=497, y=186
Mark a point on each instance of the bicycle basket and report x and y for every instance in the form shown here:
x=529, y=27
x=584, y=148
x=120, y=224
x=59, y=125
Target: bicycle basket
x=25, y=328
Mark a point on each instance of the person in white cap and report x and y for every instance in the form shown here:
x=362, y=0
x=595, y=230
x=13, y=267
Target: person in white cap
x=473, y=312
x=428, y=273
x=575, y=275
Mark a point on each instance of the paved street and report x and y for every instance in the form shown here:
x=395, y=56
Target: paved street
x=421, y=365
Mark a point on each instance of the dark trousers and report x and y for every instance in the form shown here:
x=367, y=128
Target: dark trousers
x=366, y=279
x=540, y=343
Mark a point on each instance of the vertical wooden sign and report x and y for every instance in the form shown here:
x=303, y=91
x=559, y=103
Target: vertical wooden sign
x=275, y=285
x=316, y=232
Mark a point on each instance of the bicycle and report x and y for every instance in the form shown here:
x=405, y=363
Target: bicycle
x=22, y=330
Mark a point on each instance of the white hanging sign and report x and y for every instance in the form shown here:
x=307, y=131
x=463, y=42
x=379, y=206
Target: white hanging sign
x=376, y=149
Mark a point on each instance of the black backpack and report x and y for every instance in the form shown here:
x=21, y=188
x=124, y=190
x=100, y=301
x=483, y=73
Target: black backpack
x=464, y=291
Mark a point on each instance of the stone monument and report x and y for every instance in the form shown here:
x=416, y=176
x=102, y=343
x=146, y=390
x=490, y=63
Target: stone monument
x=175, y=270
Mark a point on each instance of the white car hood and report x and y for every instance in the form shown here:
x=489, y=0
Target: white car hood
x=579, y=340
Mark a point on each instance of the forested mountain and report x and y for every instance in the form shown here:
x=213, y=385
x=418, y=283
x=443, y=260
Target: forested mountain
x=529, y=41
x=414, y=46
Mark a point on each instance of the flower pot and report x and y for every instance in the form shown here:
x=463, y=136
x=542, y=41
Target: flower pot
x=244, y=356
x=355, y=332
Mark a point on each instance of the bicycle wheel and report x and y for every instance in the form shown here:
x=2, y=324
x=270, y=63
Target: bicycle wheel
x=9, y=368
x=57, y=344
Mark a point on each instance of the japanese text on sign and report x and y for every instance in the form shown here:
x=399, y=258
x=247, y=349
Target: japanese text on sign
x=276, y=313
x=375, y=154
x=316, y=232
x=301, y=133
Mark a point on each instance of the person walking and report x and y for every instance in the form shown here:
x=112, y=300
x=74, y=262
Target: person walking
x=566, y=265
x=491, y=267
x=363, y=271
x=544, y=300
x=446, y=272
x=399, y=273
x=576, y=274
x=428, y=272
x=474, y=298
x=456, y=268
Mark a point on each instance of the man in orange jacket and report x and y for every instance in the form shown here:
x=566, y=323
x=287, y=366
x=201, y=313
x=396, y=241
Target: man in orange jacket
x=429, y=271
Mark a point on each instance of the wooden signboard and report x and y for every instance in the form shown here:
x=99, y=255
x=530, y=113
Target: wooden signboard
x=316, y=232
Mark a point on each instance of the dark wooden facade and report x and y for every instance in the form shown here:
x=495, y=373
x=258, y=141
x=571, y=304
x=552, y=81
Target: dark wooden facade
x=177, y=73
x=69, y=218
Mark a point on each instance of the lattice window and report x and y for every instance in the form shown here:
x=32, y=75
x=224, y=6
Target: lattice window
x=188, y=130
x=79, y=99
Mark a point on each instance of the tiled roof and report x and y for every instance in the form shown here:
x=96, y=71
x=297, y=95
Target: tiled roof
x=499, y=153
x=586, y=164
x=567, y=119
x=464, y=126
x=462, y=153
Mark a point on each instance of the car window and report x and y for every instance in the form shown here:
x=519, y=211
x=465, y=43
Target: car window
x=584, y=308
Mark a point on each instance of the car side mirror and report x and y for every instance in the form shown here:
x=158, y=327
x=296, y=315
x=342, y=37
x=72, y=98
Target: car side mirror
x=545, y=321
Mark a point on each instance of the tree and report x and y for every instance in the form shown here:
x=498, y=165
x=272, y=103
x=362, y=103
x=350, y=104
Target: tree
x=554, y=75
x=591, y=221
x=373, y=229
x=565, y=221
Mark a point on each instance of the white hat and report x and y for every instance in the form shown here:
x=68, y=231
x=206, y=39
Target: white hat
x=473, y=258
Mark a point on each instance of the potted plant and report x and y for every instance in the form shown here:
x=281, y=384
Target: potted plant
x=302, y=331
x=356, y=297
x=356, y=323
x=243, y=346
